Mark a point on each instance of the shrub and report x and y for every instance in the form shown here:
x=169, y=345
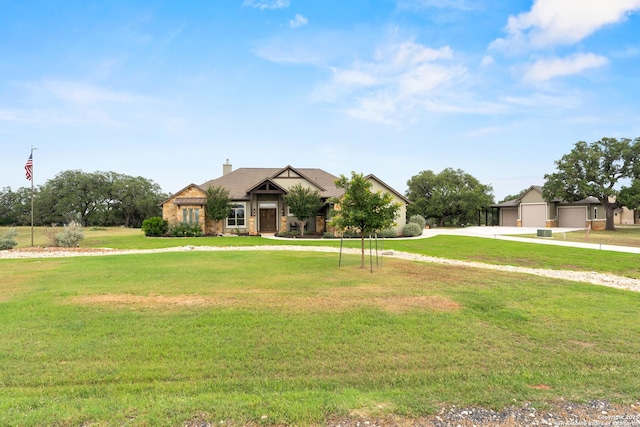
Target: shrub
x=183, y=229
x=155, y=226
x=418, y=219
x=411, y=230
x=70, y=237
x=388, y=233
x=7, y=241
x=328, y=235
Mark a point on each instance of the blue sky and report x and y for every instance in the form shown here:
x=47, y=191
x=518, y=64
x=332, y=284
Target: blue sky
x=169, y=90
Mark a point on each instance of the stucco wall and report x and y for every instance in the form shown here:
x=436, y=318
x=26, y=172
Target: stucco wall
x=401, y=217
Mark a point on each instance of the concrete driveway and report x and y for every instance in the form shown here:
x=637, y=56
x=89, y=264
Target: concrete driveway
x=510, y=233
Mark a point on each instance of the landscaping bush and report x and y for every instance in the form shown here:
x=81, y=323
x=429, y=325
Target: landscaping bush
x=185, y=230
x=70, y=237
x=418, y=219
x=7, y=241
x=388, y=233
x=328, y=235
x=155, y=226
x=412, y=230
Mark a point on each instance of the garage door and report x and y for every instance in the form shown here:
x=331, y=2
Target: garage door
x=534, y=215
x=573, y=217
x=509, y=217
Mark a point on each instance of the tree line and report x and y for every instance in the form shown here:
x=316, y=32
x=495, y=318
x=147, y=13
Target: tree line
x=91, y=198
x=450, y=198
x=607, y=169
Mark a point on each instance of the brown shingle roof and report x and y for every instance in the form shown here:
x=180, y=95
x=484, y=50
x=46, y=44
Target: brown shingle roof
x=243, y=179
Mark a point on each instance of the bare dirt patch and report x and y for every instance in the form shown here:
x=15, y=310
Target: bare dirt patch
x=582, y=343
x=270, y=299
x=140, y=301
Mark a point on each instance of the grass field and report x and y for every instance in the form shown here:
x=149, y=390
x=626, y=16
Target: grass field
x=290, y=338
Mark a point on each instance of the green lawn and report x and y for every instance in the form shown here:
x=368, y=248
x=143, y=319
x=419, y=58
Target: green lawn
x=477, y=249
x=290, y=338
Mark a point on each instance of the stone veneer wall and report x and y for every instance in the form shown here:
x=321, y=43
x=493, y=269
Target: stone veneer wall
x=320, y=221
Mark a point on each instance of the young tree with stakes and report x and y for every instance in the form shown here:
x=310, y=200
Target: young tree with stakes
x=361, y=210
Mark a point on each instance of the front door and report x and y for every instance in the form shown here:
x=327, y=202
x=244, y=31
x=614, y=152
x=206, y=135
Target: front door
x=268, y=220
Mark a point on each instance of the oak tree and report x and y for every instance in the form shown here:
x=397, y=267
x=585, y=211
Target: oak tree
x=594, y=169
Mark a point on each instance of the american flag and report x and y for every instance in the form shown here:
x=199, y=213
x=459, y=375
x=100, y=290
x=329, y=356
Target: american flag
x=29, y=167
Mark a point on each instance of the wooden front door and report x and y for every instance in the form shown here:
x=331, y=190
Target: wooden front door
x=268, y=220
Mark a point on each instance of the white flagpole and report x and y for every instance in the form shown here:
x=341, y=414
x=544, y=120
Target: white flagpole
x=32, y=149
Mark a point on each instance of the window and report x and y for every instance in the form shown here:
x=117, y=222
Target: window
x=190, y=215
x=236, y=218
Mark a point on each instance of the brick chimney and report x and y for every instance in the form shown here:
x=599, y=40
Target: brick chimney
x=226, y=168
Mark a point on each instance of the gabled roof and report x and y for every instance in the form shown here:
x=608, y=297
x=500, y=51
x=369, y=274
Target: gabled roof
x=516, y=202
x=537, y=188
x=180, y=191
x=239, y=181
x=586, y=201
x=298, y=173
x=384, y=184
x=268, y=182
x=513, y=203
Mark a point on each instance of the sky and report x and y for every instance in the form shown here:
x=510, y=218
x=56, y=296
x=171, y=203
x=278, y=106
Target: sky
x=169, y=90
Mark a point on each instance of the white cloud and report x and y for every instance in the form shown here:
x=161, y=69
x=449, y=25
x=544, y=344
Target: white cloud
x=267, y=4
x=353, y=77
x=83, y=94
x=298, y=21
x=562, y=22
x=546, y=69
x=487, y=60
x=396, y=82
x=75, y=102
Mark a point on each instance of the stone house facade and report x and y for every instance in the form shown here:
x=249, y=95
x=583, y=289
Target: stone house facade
x=258, y=204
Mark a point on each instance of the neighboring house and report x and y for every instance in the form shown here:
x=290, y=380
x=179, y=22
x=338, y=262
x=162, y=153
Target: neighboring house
x=624, y=216
x=258, y=204
x=531, y=210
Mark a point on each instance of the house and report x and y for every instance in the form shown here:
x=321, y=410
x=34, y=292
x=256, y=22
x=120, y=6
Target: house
x=532, y=210
x=258, y=204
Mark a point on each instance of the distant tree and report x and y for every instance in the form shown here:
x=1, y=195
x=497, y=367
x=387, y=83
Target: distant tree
x=452, y=196
x=71, y=195
x=360, y=210
x=630, y=196
x=133, y=199
x=594, y=169
x=218, y=205
x=15, y=206
x=304, y=203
